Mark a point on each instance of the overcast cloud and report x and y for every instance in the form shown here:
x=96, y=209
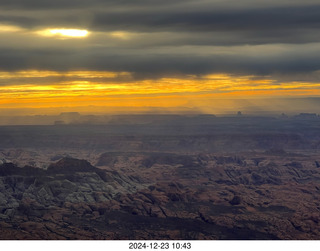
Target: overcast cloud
x=157, y=38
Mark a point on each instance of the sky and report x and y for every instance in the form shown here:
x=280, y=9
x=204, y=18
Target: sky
x=206, y=56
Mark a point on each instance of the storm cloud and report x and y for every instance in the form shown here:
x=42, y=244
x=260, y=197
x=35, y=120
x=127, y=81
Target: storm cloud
x=160, y=38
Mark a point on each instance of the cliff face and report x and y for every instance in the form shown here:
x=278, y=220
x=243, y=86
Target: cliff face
x=163, y=196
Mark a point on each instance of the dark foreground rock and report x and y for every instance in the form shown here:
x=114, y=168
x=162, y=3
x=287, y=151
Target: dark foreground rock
x=163, y=196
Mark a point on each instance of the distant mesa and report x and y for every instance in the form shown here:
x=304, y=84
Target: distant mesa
x=67, y=118
x=59, y=122
x=69, y=114
x=306, y=116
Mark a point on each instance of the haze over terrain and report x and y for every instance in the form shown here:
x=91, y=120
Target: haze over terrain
x=162, y=177
x=149, y=119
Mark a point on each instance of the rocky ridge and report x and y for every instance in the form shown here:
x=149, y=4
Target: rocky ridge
x=266, y=195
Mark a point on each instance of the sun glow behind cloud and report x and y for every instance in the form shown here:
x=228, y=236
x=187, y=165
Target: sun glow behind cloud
x=122, y=35
x=49, y=32
x=72, y=33
x=5, y=28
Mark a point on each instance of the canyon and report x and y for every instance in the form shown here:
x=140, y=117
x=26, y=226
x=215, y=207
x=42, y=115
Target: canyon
x=171, y=177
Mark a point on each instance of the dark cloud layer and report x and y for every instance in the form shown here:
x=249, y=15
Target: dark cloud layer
x=150, y=64
x=211, y=20
x=146, y=15
x=76, y=4
x=168, y=37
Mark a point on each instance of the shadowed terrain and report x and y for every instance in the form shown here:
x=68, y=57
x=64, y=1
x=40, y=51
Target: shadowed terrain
x=170, y=177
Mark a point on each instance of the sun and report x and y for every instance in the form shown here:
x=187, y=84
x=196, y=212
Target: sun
x=75, y=33
x=70, y=32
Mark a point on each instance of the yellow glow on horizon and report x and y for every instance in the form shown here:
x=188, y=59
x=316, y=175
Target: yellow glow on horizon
x=73, y=33
x=39, y=89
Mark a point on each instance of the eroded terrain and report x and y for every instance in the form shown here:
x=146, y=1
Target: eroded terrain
x=228, y=178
